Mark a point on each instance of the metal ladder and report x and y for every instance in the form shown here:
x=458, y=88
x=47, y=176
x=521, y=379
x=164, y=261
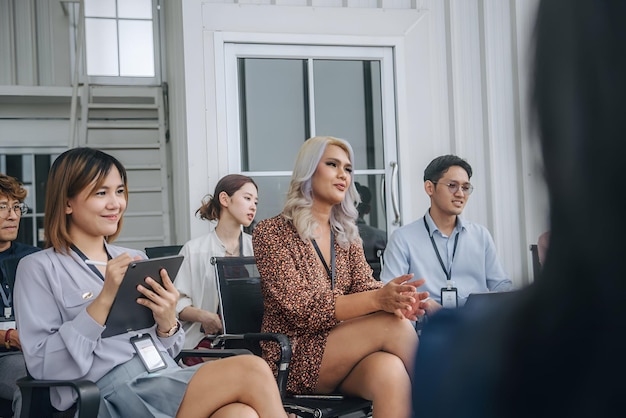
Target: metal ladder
x=130, y=123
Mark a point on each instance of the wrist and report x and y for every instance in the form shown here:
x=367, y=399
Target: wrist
x=168, y=333
x=7, y=338
x=377, y=300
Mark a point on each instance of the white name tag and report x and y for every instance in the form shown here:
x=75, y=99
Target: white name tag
x=4, y=325
x=449, y=297
x=148, y=353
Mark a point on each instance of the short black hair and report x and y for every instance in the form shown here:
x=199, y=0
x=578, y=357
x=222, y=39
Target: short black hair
x=364, y=206
x=440, y=165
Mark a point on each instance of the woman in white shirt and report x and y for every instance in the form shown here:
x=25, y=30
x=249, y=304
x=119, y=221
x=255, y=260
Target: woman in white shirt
x=233, y=205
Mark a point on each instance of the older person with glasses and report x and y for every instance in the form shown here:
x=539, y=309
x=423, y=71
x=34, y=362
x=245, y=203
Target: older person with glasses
x=12, y=207
x=455, y=256
x=19, y=209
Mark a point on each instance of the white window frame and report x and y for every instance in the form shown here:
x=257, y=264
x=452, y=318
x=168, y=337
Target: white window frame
x=231, y=46
x=121, y=80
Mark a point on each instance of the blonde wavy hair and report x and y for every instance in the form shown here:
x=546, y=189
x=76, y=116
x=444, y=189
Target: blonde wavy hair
x=300, y=195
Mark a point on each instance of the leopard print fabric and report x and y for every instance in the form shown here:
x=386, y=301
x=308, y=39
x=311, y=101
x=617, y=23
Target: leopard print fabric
x=298, y=298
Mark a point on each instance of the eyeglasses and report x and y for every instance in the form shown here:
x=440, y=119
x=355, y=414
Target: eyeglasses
x=466, y=188
x=19, y=209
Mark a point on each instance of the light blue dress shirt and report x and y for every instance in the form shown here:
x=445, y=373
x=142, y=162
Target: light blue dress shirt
x=474, y=268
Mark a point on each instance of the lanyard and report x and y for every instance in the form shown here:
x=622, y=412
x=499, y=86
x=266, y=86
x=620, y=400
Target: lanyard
x=329, y=271
x=7, y=299
x=5, y=289
x=432, y=241
x=91, y=266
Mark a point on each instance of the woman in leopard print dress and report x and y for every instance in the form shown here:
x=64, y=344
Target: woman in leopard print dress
x=348, y=331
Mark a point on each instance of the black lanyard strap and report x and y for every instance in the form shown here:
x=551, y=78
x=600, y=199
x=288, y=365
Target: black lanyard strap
x=330, y=271
x=7, y=298
x=447, y=272
x=84, y=258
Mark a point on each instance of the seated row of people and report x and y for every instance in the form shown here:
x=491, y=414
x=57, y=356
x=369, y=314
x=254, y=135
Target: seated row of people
x=318, y=288
x=349, y=331
x=317, y=284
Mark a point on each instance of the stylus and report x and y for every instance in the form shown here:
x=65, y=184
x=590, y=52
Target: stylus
x=96, y=263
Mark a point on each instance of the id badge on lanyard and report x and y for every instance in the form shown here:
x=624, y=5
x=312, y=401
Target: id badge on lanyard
x=449, y=296
x=449, y=293
x=148, y=353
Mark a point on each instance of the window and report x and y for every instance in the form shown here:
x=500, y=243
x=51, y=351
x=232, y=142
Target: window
x=280, y=95
x=121, y=41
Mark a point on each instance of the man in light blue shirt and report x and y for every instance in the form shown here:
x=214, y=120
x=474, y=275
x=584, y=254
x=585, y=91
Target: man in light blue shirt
x=455, y=256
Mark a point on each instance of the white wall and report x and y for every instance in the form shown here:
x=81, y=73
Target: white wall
x=461, y=88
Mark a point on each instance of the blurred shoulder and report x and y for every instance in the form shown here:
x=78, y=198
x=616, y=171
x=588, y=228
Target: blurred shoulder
x=475, y=228
x=202, y=241
x=408, y=230
x=22, y=250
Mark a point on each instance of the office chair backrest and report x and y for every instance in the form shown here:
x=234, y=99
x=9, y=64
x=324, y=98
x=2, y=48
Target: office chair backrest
x=534, y=252
x=162, y=251
x=240, y=298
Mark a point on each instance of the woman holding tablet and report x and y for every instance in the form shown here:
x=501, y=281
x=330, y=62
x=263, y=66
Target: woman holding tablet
x=62, y=304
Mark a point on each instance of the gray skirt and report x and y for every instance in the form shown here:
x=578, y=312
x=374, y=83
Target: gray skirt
x=129, y=390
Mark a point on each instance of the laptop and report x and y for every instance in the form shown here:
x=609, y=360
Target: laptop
x=482, y=300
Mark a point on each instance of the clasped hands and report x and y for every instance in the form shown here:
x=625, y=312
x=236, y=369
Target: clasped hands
x=401, y=297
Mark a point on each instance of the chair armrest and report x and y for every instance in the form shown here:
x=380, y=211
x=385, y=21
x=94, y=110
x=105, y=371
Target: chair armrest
x=211, y=353
x=87, y=403
x=285, y=352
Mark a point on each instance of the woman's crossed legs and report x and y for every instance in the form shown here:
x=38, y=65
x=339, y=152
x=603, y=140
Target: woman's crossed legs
x=234, y=387
x=372, y=357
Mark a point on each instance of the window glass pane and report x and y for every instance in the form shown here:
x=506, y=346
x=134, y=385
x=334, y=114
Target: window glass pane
x=347, y=105
x=40, y=238
x=135, y=9
x=272, y=194
x=273, y=107
x=100, y=8
x=136, y=48
x=25, y=233
x=101, y=43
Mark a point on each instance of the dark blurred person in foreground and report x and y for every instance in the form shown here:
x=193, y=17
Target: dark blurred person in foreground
x=555, y=350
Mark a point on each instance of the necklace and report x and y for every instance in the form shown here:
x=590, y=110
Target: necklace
x=234, y=252
x=237, y=250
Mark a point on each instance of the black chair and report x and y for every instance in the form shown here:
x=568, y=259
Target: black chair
x=6, y=409
x=241, y=308
x=534, y=252
x=162, y=251
x=377, y=264
x=36, y=398
x=36, y=393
